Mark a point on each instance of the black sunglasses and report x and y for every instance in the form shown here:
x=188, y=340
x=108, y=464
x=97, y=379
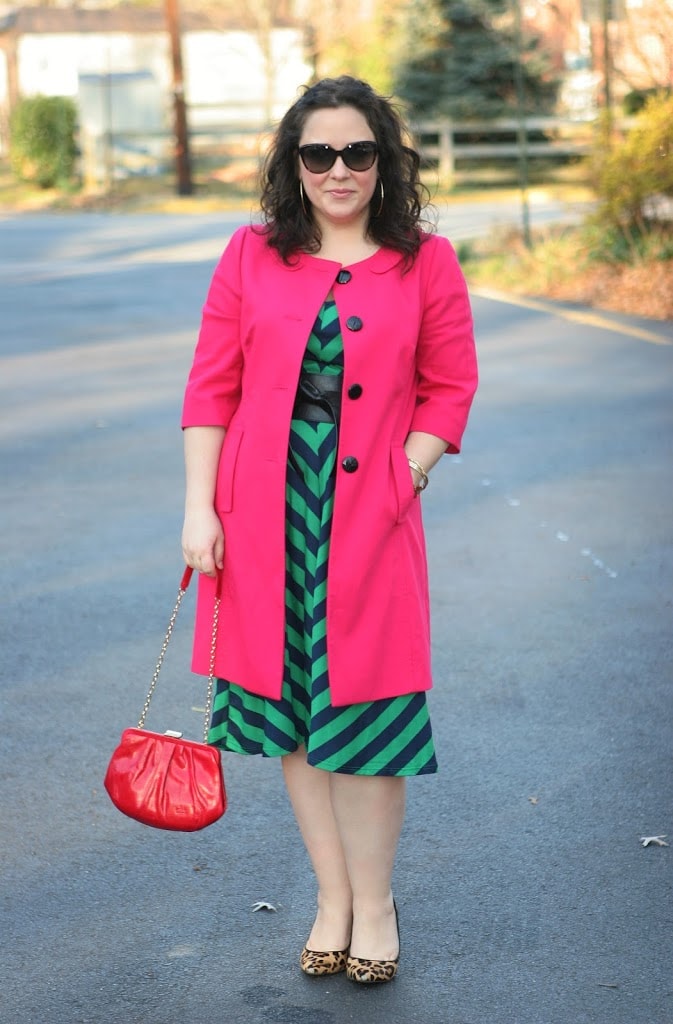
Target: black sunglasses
x=357, y=156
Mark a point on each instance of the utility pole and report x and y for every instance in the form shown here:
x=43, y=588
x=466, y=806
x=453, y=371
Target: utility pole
x=607, y=62
x=182, y=161
x=522, y=132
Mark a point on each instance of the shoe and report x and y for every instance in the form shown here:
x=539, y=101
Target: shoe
x=373, y=972
x=320, y=964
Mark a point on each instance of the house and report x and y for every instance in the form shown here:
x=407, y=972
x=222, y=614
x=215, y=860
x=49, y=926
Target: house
x=117, y=64
x=638, y=35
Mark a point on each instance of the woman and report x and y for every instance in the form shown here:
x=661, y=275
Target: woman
x=335, y=365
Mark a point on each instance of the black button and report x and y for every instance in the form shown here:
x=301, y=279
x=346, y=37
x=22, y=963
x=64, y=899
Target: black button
x=350, y=463
x=355, y=390
x=344, y=276
x=354, y=323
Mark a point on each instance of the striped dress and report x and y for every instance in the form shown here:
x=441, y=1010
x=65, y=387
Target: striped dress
x=383, y=737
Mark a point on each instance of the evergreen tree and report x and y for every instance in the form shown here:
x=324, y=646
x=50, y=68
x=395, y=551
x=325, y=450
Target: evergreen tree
x=462, y=61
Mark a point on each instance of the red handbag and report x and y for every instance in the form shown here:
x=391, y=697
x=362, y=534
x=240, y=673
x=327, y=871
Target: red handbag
x=161, y=779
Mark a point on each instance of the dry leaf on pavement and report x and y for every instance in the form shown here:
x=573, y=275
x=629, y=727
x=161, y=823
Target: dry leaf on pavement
x=653, y=841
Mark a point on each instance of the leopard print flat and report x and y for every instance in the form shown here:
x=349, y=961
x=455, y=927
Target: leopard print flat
x=373, y=972
x=320, y=964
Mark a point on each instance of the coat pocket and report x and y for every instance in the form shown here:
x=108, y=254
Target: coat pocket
x=404, y=483
x=224, y=494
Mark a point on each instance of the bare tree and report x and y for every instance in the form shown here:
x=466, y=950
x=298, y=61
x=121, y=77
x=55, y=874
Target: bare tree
x=263, y=18
x=266, y=14
x=643, y=46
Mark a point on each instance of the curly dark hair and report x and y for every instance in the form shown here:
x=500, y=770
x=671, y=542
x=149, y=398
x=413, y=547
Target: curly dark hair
x=289, y=228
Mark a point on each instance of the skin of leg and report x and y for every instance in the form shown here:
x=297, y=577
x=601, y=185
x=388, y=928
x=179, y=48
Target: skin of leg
x=309, y=792
x=369, y=812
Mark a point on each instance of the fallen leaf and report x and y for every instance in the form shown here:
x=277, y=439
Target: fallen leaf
x=263, y=905
x=653, y=841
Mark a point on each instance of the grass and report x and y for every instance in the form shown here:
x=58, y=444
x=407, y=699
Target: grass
x=134, y=194
x=232, y=184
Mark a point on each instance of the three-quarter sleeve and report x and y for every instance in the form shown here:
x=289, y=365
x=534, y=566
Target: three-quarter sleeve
x=446, y=360
x=213, y=388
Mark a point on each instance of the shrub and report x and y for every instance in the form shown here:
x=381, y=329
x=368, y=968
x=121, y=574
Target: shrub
x=634, y=174
x=611, y=245
x=42, y=140
x=635, y=100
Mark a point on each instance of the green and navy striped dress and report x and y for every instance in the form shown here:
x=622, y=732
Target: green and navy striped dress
x=383, y=737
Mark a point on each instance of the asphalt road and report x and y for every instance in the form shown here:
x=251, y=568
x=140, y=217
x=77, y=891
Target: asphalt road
x=526, y=894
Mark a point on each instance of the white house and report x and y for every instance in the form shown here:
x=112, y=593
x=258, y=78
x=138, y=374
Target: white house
x=117, y=64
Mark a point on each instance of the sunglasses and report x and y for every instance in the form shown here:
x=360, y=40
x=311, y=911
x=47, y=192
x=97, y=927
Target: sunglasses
x=357, y=156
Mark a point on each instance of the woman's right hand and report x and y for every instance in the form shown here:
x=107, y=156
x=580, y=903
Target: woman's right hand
x=203, y=540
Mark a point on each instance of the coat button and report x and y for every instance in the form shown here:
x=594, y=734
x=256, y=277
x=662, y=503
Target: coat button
x=355, y=390
x=350, y=463
x=354, y=323
x=344, y=276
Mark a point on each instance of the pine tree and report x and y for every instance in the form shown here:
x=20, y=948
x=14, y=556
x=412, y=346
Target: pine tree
x=462, y=59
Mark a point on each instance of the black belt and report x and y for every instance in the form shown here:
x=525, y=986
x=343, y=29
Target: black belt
x=319, y=398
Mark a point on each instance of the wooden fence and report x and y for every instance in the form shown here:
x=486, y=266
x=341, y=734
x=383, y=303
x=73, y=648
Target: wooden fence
x=443, y=146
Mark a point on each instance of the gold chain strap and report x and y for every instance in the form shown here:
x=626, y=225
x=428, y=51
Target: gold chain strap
x=211, y=671
x=213, y=646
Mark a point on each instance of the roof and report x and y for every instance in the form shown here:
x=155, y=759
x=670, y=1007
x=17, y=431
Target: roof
x=37, y=20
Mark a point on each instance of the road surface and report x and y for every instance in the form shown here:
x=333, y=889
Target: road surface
x=526, y=892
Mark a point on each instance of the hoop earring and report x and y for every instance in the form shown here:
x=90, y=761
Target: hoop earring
x=383, y=195
x=302, y=197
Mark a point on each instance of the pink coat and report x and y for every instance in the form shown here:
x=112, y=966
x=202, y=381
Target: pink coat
x=408, y=344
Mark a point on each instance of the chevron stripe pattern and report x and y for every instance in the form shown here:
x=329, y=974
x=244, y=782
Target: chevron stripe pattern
x=385, y=737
